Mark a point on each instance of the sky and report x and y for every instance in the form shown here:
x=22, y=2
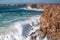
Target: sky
x=29, y=1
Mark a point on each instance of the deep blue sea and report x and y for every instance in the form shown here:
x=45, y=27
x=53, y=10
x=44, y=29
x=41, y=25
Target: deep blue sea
x=17, y=23
x=10, y=14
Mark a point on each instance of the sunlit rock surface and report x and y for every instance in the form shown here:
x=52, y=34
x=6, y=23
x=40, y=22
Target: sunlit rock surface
x=50, y=22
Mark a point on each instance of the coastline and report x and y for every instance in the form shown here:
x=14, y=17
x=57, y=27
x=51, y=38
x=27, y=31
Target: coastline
x=49, y=16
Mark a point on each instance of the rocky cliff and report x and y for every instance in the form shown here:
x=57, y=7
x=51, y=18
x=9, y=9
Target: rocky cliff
x=49, y=21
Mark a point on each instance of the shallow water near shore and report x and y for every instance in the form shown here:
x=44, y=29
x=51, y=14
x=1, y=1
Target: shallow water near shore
x=17, y=23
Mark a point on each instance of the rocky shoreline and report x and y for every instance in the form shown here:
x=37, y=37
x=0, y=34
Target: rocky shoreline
x=49, y=21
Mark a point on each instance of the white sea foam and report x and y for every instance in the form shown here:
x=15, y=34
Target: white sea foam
x=21, y=30
x=34, y=9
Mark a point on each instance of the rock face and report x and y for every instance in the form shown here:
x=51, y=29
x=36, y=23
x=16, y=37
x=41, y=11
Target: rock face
x=50, y=22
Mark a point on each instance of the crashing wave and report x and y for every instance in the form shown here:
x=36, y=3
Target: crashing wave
x=32, y=9
x=22, y=30
x=19, y=9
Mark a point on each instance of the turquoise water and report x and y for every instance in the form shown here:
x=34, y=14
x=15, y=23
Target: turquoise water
x=10, y=14
x=16, y=23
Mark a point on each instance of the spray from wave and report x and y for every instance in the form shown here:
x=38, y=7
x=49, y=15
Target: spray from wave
x=25, y=30
x=22, y=30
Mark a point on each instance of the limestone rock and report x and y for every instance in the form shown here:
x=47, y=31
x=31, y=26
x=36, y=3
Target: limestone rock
x=50, y=22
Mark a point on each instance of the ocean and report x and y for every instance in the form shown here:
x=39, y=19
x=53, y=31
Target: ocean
x=19, y=22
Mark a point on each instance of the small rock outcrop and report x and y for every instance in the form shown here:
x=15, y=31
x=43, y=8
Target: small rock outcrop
x=50, y=22
x=32, y=5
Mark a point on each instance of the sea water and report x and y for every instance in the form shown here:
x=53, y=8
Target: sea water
x=16, y=23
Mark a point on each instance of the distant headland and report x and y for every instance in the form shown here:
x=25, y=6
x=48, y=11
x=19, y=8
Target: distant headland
x=24, y=4
x=12, y=4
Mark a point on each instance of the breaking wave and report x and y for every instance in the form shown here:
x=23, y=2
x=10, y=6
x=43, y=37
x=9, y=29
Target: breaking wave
x=21, y=30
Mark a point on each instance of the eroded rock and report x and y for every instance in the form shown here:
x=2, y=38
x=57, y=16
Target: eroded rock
x=50, y=22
